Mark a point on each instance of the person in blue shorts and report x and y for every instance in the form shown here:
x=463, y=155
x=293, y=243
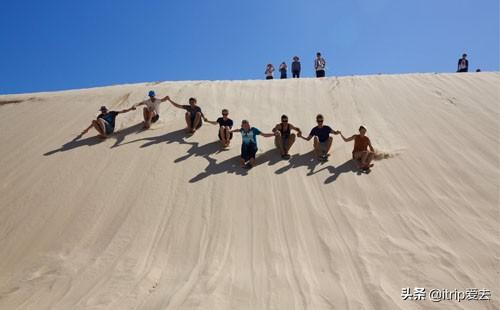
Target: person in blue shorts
x=249, y=143
x=105, y=122
x=225, y=126
x=322, y=139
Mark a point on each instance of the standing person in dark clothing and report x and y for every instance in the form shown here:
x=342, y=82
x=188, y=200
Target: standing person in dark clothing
x=105, y=122
x=463, y=64
x=283, y=69
x=319, y=65
x=296, y=67
x=225, y=126
x=269, y=72
x=193, y=114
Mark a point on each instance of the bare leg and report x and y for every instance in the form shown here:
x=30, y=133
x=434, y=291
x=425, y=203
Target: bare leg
x=227, y=134
x=222, y=135
x=279, y=143
x=100, y=127
x=196, y=123
x=317, y=149
x=188, y=122
x=252, y=161
x=242, y=162
x=291, y=140
x=148, y=115
x=328, y=145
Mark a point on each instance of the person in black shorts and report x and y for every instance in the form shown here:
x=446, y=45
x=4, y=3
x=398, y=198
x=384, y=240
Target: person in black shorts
x=284, y=137
x=296, y=67
x=193, y=115
x=105, y=122
x=225, y=126
x=322, y=139
x=463, y=64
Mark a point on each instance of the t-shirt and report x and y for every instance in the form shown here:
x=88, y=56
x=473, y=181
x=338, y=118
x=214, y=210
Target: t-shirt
x=109, y=117
x=250, y=136
x=192, y=110
x=153, y=105
x=225, y=122
x=319, y=64
x=360, y=143
x=463, y=64
x=269, y=71
x=322, y=133
x=295, y=66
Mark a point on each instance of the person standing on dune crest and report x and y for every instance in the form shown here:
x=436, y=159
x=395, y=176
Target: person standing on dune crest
x=322, y=140
x=269, y=72
x=105, y=122
x=151, y=111
x=320, y=65
x=363, y=150
x=463, y=64
x=283, y=69
x=296, y=67
x=249, y=143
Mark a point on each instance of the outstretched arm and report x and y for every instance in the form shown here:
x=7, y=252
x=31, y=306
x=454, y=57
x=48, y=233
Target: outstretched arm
x=370, y=146
x=208, y=121
x=127, y=110
x=164, y=98
x=175, y=104
x=347, y=139
x=235, y=130
x=267, y=135
x=87, y=129
x=297, y=129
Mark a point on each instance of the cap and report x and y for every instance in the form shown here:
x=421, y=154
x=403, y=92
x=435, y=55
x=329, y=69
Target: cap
x=151, y=93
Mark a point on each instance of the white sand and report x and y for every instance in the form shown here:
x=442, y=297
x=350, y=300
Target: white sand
x=150, y=220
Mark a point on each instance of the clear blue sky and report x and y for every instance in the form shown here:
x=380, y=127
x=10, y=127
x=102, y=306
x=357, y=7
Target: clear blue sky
x=52, y=45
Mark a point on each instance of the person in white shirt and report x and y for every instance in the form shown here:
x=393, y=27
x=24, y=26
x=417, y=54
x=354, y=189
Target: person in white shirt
x=151, y=112
x=319, y=65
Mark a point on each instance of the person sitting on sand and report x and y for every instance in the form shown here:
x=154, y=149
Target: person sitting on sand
x=322, y=139
x=225, y=126
x=269, y=72
x=363, y=150
x=193, y=115
x=249, y=143
x=151, y=111
x=284, y=136
x=105, y=122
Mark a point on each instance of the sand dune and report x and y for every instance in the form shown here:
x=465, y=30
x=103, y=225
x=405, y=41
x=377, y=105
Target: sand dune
x=156, y=220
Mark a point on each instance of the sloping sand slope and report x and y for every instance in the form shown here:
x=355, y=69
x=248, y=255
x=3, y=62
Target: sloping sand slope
x=156, y=220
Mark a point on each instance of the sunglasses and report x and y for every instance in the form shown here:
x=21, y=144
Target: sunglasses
x=284, y=121
x=319, y=120
x=224, y=114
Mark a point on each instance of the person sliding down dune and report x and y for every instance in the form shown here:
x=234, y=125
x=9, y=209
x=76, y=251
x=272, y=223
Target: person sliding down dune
x=363, y=150
x=225, y=126
x=193, y=115
x=284, y=136
x=249, y=143
x=322, y=140
x=151, y=112
x=105, y=122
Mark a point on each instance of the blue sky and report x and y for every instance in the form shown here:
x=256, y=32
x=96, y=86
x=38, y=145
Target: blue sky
x=53, y=45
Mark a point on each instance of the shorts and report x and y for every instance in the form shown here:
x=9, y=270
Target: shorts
x=463, y=70
x=283, y=75
x=284, y=140
x=295, y=74
x=108, y=128
x=320, y=73
x=230, y=136
x=269, y=77
x=323, y=145
x=155, y=118
x=248, y=151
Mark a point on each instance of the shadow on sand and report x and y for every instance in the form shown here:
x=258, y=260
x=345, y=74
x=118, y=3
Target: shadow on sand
x=348, y=166
x=119, y=136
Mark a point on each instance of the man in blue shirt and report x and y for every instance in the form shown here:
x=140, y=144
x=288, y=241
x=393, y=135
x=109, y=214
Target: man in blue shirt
x=249, y=143
x=105, y=122
x=322, y=139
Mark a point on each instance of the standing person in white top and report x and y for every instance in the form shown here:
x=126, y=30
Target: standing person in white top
x=319, y=65
x=151, y=112
x=269, y=72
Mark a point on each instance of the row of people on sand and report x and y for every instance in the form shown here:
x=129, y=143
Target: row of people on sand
x=284, y=132
x=319, y=68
